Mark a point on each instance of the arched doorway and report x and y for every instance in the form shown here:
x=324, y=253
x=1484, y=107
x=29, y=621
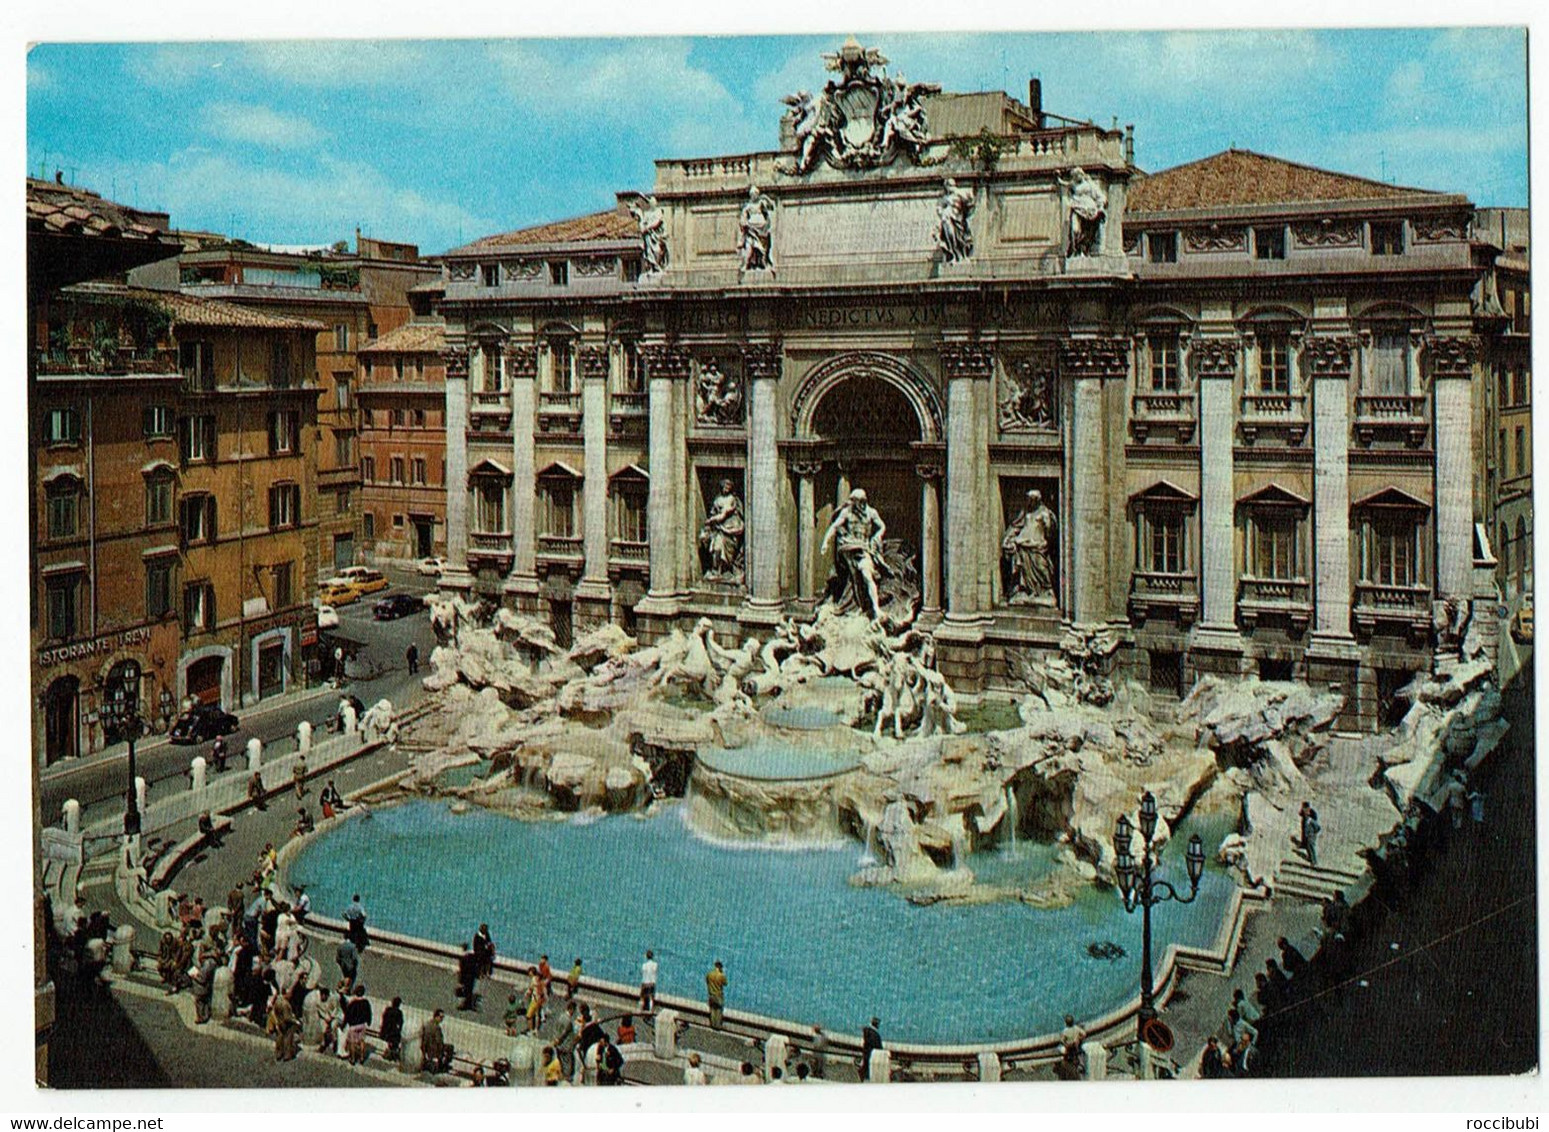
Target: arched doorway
x=61, y=719
x=870, y=426
x=125, y=676
x=204, y=680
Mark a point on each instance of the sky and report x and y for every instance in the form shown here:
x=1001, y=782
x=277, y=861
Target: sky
x=439, y=142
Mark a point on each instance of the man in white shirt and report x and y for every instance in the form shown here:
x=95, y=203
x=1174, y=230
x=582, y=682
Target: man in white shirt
x=648, y=983
x=693, y=1074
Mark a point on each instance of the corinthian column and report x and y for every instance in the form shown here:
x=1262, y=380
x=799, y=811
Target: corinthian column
x=456, y=576
x=1216, y=359
x=594, y=487
x=1452, y=370
x=1329, y=361
x=766, y=544
x=522, y=373
x=666, y=367
x=1088, y=363
x=968, y=367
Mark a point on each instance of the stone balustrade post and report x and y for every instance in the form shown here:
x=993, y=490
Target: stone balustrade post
x=197, y=773
x=72, y=815
x=303, y=736
x=142, y=791
x=881, y=1070
x=1096, y=1061
x=123, y=949
x=255, y=754
x=665, y=1034
x=989, y=1066
x=777, y=1051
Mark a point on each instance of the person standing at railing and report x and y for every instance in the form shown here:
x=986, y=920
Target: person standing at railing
x=467, y=977
x=484, y=951
x=715, y=994
x=298, y=776
x=871, y=1041
x=648, y=971
x=355, y=921
x=819, y=1052
x=573, y=980
x=392, y=1029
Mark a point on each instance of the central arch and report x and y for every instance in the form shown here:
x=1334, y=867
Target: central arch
x=915, y=387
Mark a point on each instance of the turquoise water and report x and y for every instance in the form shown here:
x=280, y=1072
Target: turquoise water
x=798, y=940
x=770, y=760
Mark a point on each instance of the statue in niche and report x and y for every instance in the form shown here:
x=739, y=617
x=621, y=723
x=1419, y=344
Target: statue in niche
x=1088, y=211
x=756, y=232
x=859, y=528
x=1029, y=402
x=719, y=395
x=653, y=235
x=721, y=536
x=953, y=238
x=1028, y=547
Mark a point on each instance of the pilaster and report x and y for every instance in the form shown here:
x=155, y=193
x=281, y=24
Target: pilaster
x=594, y=486
x=522, y=373
x=1452, y=370
x=1088, y=363
x=666, y=368
x=765, y=533
x=1216, y=361
x=456, y=575
x=969, y=367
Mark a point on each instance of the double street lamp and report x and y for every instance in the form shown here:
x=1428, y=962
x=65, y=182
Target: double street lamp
x=1139, y=887
x=122, y=712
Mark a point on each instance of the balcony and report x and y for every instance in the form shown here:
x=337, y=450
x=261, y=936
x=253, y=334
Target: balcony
x=490, y=548
x=559, y=414
x=1391, y=415
x=86, y=360
x=1284, y=599
x=1275, y=413
x=1169, y=409
x=1154, y=592
x=627, y=413
x=626, y=554
x=494, y=402
x=561, y=550
x=1405, y=606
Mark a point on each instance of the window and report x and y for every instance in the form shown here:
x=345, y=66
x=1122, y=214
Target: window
x=1164, y=353
x=490, y=507
x=395, y=474
x=341, y=501
x=62, y=597
x=559, y=272
x=491, y=274
x=1521, y=439
x=1503, y=384
x=343, y=448
x=1274, y=363
x=419, y=418
x=559, y=508
x=1390, y=362
x=1162, y=247
x=61, y=426
x=1387, y=237
x=419, y=369
x=341, y=391
x=280, y=374
x=157, y=421
x=196, y=361
x=1389, y=551
x=371, y=330
x=562, y=362
x=631, y=271
x=1500, y=451
x=284, y=505
x=158, y=500
x=398, y=522
x=398, y=367
x=284, y=432
x=341, y=337
x=158, y=587
x=494, y=369
x=1520, y=385
x=368, y=469
x=400, y=418
x=1269, y=243
x=198, y=607
x=368, y=524
x=283, y=596
x=64, y=506
x=197, y=439
x=633, y=375
x=198, y=518
x=1274, y=546
x=1162, y=552
x=632, y=515
x=417, y=470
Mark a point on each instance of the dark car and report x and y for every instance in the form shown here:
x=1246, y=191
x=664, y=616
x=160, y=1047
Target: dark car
x=202, y=722
x=395, y=606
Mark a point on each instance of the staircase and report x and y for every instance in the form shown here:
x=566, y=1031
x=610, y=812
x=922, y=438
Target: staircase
x=1318, y=883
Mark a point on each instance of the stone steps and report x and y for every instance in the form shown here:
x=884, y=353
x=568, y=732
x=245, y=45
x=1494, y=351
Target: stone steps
x=1295, y=877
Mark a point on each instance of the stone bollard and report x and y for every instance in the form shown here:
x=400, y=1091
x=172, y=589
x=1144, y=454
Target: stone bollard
x=303, y=736
x=665, y=1030
x=777, y=1051
x=166, y=908
x=198, y=773
x=881, y=1070
x=1143, y=1070
x=989, y=1066
x=142, y=791
x=1096, y=1061
x=123, y=950
x=409, y=1057
x=220, y=995
x=347, y=713
x=255, y=754
x=72, y=810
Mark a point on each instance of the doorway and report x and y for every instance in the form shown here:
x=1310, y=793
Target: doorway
x=204, y=680
x=271, y=669
x=424, y=536
x=562, y=621
x=61, y=720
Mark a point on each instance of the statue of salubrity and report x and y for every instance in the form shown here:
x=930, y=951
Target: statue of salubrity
x=1028, y=548
x=721, y=536
x=953, y=239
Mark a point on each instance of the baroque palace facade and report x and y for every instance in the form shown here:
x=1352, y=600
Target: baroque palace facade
x=1227, y=417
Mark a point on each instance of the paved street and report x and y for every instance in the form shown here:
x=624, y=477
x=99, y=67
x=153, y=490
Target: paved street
x=99, y=782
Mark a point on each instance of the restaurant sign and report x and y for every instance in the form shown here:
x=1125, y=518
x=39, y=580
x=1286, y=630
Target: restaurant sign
x=97, y=646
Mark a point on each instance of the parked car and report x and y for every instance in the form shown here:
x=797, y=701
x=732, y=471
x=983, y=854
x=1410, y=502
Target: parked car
x=200, y=723
x=1522, y=623
x=431, y=567
x=337, y=592
x=365, y=579
x=327, y=617
x=394, y=606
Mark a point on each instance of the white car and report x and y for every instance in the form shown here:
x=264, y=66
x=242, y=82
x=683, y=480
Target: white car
x=327, y=617
x=431, y=567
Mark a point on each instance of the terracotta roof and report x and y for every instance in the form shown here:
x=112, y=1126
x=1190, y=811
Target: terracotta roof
x=186, y=310
x=410, y=338
x=610, y=225
x=1242, y=177
x=72, y=211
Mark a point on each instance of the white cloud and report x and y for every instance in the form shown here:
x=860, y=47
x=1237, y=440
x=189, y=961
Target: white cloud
x=259, y=125
x=334, y=62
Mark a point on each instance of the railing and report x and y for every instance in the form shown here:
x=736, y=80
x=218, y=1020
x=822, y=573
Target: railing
x=627, y=404
x=1274, y=405
x=486, y=543
x=1390, y=407
x=1275, y=597
x=1161, y=591
x=1163, y=405
x=559, y=412
x=566, y=547
x=497, y=401
x=1405, y=605
x=627, y=550
x=124, y=359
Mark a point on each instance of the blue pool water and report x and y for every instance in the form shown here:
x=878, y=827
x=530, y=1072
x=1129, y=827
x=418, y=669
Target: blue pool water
x=772, y=759
x=797, y=939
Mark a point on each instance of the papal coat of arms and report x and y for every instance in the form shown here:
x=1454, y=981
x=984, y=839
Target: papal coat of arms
x=861, y=120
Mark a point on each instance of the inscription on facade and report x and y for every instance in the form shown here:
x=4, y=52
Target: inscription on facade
x=112, y=642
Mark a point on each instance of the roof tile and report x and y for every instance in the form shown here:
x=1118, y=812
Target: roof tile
x=611, y=225
x=1242, y=177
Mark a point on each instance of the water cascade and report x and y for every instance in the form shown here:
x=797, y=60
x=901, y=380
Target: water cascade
x=1013, y=815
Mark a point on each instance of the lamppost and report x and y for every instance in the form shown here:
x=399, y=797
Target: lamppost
x=123, y=715
x=1139, y=887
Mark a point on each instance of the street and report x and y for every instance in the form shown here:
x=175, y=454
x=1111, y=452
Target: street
x=99, y=783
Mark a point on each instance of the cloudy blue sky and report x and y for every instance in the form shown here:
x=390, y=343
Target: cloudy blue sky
x=439, y=142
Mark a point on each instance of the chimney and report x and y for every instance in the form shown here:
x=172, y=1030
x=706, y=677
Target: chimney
x=1129, y=144
x=1035, y=100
